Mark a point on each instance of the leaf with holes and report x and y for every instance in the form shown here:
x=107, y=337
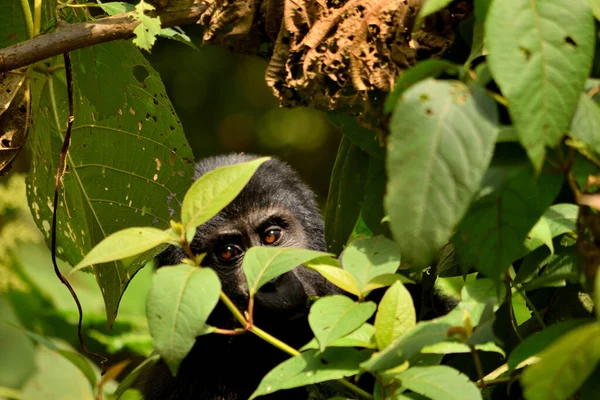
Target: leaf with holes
x=540, y=54
x=333, y=317
x=179, y=302
x=441, y=143
x=129, y=163
x=262, y=263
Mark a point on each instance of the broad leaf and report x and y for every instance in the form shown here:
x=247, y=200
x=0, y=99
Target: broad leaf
x=214, y=190
x=140, y=370
x=178, y=305
x=12, y=23
x=369, y=258
x=126, y=243
x=364, y=336
x=564, y=365
x=441, y=142
x=439, y=382
x=333, y=317
x=346, y=191
x=537, y=342
x=365, y=139
x=336, y=275
x=311, y=367
x=385, y=280
x=540, y=65
x=129, y=163
x=262, y=263
x=512, y=199
x=538, y=235
x=586, y=123
x=395, y=316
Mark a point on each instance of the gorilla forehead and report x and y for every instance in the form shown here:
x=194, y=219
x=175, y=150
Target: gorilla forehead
x=274, y=184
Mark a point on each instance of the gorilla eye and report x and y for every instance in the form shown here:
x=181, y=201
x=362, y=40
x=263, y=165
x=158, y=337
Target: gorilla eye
x=271, y=235
x=228, y=253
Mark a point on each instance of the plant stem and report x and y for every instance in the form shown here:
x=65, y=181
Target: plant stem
x=27, y=16
x=293, y=352
x=37, y=17
x=232, y=307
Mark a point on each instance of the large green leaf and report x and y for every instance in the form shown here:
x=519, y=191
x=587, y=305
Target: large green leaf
x=346, y=191
x=178, y=304
x=586, y=123
x=368, y=258
x=262, y=263
x=439, y=382
x=129, y=163
x=333, y=317
x=441, y=142
x=537, y=342
x=213, y=191
x=564, y=365
x=512, y=199
x=364, y=336
x=540, y=54
x=395, y=316
x=311, y=367
x=12, y=23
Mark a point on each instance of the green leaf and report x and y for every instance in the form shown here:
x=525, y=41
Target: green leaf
x=540, y=65
x=595, y=6
x=333, y=317
x=384, y=280
x=129, y=166
x=56, y=379
x=116, y=7
x=586, y=123
x=439, y=382
x=262, y=263
x=132, y=377
x=365, y=139
x=178, y=304
x=371, y=208
x=537, y=342
x=441, y=142
x=364, y=336
x=597, y=295
x=336, y=275
x=431, y=68
x=73, y=357
x=126, y=243
x=457, y=347
x=145, y=33
x=369, y=258
x=429, y=7
x=538, y=235
x=564, y=365
x=12, y=23
x=395, y=316
x=214, y=190
x=346, y=191
x=311, y=367
x=492, y=234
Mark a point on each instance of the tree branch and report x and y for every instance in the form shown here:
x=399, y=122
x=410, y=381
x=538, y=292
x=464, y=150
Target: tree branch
x=69, y=37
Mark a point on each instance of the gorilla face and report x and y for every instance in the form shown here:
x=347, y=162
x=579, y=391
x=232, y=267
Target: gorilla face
x=274, y=209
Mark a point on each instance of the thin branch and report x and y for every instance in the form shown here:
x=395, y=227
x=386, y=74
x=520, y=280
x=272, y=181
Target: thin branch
x=69, y=37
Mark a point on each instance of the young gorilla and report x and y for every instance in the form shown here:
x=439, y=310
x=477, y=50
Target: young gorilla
x=274, y=209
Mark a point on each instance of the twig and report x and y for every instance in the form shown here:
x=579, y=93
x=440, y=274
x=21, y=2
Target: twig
x=69, y=37
x=60, y=171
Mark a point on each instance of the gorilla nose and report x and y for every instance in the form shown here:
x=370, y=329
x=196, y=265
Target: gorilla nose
x=272, y=285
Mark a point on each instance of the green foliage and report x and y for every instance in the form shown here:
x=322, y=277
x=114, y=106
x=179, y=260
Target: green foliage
x=496, y=208
x=179, y=303
x=540, y=66
x=435, y=163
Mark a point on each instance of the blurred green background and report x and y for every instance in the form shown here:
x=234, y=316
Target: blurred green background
x=225, y=106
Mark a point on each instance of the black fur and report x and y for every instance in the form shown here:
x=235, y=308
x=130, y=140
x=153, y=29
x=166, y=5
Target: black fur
x=231, y=367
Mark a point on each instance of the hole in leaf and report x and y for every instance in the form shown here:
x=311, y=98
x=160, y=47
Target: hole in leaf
x=526, y=52
x=428, y=112
x=5, y=142
x=570, y=41
x=140, y=73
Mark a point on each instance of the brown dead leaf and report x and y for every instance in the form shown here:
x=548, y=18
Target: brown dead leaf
x=15, y=106
x=339, y=55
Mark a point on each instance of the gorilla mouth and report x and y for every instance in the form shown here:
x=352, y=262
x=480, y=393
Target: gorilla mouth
x=284, y=297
